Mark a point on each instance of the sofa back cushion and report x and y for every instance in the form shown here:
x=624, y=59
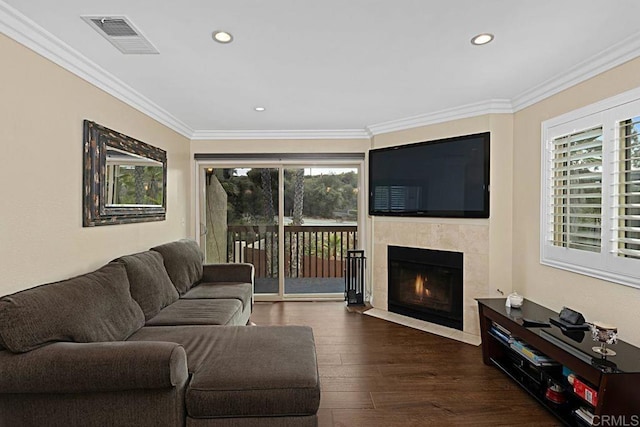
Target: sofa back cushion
x=94, y=307
x=149, y=282
x=183, y=261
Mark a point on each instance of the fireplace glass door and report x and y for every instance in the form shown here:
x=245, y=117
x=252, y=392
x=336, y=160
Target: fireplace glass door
x=426, y=284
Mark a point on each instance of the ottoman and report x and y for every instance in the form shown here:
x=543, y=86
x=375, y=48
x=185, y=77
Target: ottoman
x=256, y=376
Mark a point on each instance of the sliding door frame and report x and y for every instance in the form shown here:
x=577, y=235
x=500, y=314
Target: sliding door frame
x=281, y=164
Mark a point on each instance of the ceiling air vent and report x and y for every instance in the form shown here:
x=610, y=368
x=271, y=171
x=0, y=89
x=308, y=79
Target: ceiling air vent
x=121, y=33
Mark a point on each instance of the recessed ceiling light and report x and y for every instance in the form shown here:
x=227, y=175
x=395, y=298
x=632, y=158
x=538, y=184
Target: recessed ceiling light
x=481, y=39
x=222, y=37
x=259, y=108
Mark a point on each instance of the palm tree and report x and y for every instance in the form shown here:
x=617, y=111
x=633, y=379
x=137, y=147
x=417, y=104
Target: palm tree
x=298, y=202
x=267, y=195
x=139, y=184
x=269, y=213
x=298, y=197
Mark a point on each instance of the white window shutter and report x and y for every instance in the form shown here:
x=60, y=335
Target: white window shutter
x=576, y=191
x=626, y=190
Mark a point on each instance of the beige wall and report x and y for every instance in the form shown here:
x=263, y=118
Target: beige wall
x=554, y=288
x=485, y=243
x=41, y=233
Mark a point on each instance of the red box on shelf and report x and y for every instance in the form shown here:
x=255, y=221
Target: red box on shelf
x=586, y=392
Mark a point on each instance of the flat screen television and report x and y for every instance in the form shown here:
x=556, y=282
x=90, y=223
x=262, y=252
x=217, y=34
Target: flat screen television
x=443, y=178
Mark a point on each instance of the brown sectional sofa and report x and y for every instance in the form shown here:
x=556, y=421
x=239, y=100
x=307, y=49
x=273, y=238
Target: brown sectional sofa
x=152, y=339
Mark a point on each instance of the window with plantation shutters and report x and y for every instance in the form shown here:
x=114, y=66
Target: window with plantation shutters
x=590, y=190
x=626, y=192
x=576, y=204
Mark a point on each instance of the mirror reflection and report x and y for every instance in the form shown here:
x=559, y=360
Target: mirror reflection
x=132, y=180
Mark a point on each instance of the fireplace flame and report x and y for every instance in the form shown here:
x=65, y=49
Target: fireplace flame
x=420, y=287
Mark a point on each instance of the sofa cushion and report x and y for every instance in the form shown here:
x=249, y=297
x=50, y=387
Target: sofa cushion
x=238, y=272
x=94, y=307
x=256, y=371
x=149, y=282
x=226, y=290
x=183, y=261
x=199, y=312
x=197, y=340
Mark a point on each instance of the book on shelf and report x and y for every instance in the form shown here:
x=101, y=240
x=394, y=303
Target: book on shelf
x=500, y=335
x=531, y=354
x=588, y=393
x=501, y=328
x=585, y=415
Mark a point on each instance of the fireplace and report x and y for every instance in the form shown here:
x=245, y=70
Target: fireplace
x=426, y=284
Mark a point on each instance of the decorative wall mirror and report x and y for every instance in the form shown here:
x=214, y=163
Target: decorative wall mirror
x=125, y=180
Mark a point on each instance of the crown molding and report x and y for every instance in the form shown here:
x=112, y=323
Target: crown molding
x=492, y=106
x=607, y=59
x=28, y=33
x=279, y=134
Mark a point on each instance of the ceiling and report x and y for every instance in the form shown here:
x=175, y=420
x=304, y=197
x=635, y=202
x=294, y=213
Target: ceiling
x=333, y=65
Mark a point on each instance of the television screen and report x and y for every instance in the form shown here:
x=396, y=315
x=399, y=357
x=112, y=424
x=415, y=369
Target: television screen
x=443, y=178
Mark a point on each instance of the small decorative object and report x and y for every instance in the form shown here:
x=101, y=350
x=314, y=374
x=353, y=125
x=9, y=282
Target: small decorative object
x=514, y=300
x=605, y=334
x=572, y=317
x=555, y=393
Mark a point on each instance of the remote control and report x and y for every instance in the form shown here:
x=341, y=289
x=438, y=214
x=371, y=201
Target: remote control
x=534, y=323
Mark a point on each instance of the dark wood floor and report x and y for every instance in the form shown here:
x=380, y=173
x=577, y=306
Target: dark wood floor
x=377, y=373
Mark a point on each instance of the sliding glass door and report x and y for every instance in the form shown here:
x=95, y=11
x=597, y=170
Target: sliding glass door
x=239, y=220
x=294, y=223
x=320, y=226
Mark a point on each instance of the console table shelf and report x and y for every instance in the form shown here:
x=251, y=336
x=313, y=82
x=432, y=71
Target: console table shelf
x=616, y=379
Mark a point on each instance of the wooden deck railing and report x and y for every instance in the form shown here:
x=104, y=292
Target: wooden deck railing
x=310, y=251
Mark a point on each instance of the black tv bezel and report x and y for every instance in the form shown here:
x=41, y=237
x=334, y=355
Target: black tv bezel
x=484, y=213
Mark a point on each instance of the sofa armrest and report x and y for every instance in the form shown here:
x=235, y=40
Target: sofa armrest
x=232, y=272
x=93, y=367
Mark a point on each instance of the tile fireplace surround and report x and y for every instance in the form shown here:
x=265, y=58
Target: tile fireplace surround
x=470, y=239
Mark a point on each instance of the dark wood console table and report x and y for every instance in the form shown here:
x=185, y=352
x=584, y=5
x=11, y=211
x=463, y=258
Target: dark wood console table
x=616, y=379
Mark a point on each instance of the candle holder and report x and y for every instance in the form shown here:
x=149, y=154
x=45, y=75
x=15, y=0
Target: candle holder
x=604, y=334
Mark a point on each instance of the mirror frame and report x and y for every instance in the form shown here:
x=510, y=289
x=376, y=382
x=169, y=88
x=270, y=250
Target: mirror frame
x=96, y=138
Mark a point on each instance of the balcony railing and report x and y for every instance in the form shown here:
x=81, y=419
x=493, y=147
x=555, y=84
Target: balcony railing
x=309, y=251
